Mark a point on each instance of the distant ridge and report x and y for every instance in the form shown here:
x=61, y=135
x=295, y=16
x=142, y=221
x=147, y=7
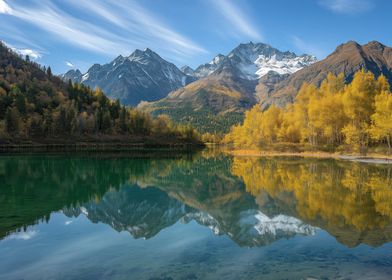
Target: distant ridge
x=347, y=58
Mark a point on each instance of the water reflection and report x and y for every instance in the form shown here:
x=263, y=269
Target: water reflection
x=253, y=201
x=352, y=201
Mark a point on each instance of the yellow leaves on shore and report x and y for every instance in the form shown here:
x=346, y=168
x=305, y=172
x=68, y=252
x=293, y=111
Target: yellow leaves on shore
x=333, y=114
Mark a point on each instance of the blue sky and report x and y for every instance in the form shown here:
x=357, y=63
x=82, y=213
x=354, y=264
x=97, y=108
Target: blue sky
x=77, y=33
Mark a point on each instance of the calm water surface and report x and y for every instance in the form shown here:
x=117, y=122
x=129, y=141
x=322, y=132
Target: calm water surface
x=199, y=216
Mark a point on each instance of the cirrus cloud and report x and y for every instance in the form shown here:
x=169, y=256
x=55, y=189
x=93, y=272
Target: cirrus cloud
x=236, y=17
x=347, y=6
x=130, y=26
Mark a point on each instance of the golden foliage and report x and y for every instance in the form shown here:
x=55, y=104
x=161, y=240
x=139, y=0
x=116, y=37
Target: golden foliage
x=332, y=114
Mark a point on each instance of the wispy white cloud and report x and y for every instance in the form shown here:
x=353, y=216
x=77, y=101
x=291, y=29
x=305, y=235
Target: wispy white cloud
x=31, y=53
x=69, y=64
x=14, y=34
x=72, y=30
x=34, y=54
x=137, y=28
x=347, y=6
x=148, y=24
x=307, y=48
x=237, y=19
x=102, y=9
x=4, y=8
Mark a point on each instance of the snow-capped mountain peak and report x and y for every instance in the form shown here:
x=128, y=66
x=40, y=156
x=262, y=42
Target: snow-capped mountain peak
x=251, y=61
x=143, y=75
x=255, y=60
x=187, y=70
x=217, y=59
x=210, y=67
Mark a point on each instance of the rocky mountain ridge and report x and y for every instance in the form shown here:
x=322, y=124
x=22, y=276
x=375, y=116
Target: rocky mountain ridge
x=348, y=58
x=142, y=76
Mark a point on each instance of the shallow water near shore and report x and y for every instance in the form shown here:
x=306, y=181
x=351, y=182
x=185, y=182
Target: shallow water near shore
x=193, y=216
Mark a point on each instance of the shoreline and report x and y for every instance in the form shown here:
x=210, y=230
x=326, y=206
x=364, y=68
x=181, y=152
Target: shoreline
x=96, y=147
x=369, y=158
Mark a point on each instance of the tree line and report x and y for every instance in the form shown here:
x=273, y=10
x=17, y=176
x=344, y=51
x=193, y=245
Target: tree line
x=353, y=116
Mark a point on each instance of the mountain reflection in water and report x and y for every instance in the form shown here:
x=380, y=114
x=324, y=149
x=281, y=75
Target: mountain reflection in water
x=253, y=201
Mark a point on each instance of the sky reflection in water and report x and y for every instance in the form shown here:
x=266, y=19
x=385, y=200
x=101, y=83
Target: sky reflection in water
x=193, y=217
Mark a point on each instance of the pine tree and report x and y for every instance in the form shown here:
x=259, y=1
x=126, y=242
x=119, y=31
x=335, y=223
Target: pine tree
x=106, y=121
x=12, y=120
x=123, y=120
x=49, y=72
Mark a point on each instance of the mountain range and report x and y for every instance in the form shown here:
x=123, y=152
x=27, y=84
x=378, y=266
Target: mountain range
x=226, y=86
x=143, y=75
x=145, y=212
x=215, y=95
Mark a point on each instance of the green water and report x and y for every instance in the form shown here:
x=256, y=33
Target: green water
x=193, y=216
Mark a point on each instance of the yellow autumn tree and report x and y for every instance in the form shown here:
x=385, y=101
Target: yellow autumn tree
x=358, y=100
x=381, y=128
x=271, y=121
x=306, y=94
x=290, y=130
x=326, y=112
x=333, y=114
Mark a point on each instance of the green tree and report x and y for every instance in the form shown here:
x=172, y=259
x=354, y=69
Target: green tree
x=123, y=119
x=106, y=121
x=12, y=121
x=49, y=72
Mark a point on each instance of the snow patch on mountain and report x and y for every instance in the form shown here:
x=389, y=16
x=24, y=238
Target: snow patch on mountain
x=277, y=225
x=210, y=67
x=255, y=60
x=203, y=218
x=252, y=61
x=85, y=77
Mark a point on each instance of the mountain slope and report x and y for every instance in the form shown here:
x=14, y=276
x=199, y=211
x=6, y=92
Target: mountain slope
x=206, y=69
x=37, y=107
x=143, y=75
x=73, y=75
x=227, y=86
x=211, y=104
x=347, y=58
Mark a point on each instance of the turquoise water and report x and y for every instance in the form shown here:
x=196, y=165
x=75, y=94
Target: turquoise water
x=193, y=217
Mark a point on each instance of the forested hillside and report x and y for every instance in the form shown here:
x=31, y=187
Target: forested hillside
x=36, y=106
x=353, y=116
